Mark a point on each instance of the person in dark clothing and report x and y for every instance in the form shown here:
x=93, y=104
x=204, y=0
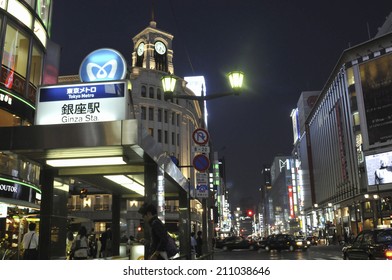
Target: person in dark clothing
x=199, y=245
x=162, y=246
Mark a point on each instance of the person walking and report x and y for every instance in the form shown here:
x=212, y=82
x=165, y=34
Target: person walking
x=30, y=243
x=80, y=245
x=162, y=246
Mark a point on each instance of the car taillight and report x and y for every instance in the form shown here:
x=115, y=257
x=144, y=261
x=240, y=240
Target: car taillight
x=388, y=254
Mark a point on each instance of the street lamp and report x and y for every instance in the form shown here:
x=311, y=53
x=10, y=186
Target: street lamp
x=236, y=79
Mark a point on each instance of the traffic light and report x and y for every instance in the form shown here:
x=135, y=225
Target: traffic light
x=139, y=228
x=249, y=213
x=83, y=193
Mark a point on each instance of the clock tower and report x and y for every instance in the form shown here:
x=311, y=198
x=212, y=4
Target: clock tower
x=153, y=49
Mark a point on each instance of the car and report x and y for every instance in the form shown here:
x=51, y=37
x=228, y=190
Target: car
x=371, y=244
x=262, y=242
x=236, y=242
x=312, y=240
x=284, y=242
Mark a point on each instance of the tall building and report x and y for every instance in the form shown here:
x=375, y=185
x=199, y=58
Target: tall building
x=26, y=54
x=282, y=197
x=347, y=136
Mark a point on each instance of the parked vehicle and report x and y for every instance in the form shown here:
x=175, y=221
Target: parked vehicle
x=285, y=242
x=236, y=242
x=370, y=245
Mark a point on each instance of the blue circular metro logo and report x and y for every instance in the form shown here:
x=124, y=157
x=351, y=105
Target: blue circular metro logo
x=103, y=65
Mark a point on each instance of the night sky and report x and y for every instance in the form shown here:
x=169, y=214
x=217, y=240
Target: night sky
x=284, y=48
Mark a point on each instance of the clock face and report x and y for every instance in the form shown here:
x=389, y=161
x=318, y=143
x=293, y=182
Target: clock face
x=140, y=49
x=160, y=47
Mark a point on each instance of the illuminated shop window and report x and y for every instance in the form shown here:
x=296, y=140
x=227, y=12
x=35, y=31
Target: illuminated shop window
x=15, y=57
x=7, y=119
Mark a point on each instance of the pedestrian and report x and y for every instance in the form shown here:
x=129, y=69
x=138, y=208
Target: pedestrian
x=162, y=246
x=30, y=243
x=193, y=245
x=80, y=245
x=102, y=240
x=108, y=252
x=199, y=245
x=68, y=246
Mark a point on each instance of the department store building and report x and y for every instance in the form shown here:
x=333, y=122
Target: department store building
x=339, y=147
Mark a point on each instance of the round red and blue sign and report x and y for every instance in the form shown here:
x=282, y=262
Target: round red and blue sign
x=201, y=162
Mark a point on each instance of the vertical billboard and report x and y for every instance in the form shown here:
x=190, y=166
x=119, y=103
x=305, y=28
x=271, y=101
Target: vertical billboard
x=376, y=81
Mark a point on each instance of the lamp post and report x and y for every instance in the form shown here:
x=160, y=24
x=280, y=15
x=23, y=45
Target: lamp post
x=168, y=83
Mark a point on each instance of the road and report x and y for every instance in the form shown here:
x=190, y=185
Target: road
x=320, y=252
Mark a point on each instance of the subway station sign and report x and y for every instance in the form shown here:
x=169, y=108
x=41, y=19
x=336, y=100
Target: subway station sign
x=82, y=103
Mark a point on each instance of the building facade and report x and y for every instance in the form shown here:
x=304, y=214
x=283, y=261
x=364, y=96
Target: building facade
x=346, y=135
x=24, y=44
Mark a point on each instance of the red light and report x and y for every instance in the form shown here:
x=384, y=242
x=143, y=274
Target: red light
x=139, y=228
x=250, y=213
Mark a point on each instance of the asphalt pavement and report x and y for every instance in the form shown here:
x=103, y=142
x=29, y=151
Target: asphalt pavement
x=319, y=252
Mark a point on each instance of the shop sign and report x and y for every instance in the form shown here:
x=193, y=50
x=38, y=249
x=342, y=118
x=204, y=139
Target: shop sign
x=5, y=98
x=14, y=189
x=8, y=188
x=81, y=103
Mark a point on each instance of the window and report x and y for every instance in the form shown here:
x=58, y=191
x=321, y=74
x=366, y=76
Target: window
x=151, y=131
x=151, y=114
x=173, y=118
x=178, y=139
x=159, y=136
x=36, y=67
x=159, y=94
x=15, y=57
x=384, y=236
x=166, y=113
x=151, y=92
x=43, y=10
x=368, y=238
x=143, y=114
x=356, y=118
x=143, y=91
x=178, y=119
x=173, y=138
x=166, y=137
x=159, y=115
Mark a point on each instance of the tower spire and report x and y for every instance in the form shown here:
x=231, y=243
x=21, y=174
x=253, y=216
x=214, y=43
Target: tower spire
x=153, y=22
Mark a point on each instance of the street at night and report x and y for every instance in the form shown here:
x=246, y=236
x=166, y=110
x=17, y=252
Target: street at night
x=320, y=252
